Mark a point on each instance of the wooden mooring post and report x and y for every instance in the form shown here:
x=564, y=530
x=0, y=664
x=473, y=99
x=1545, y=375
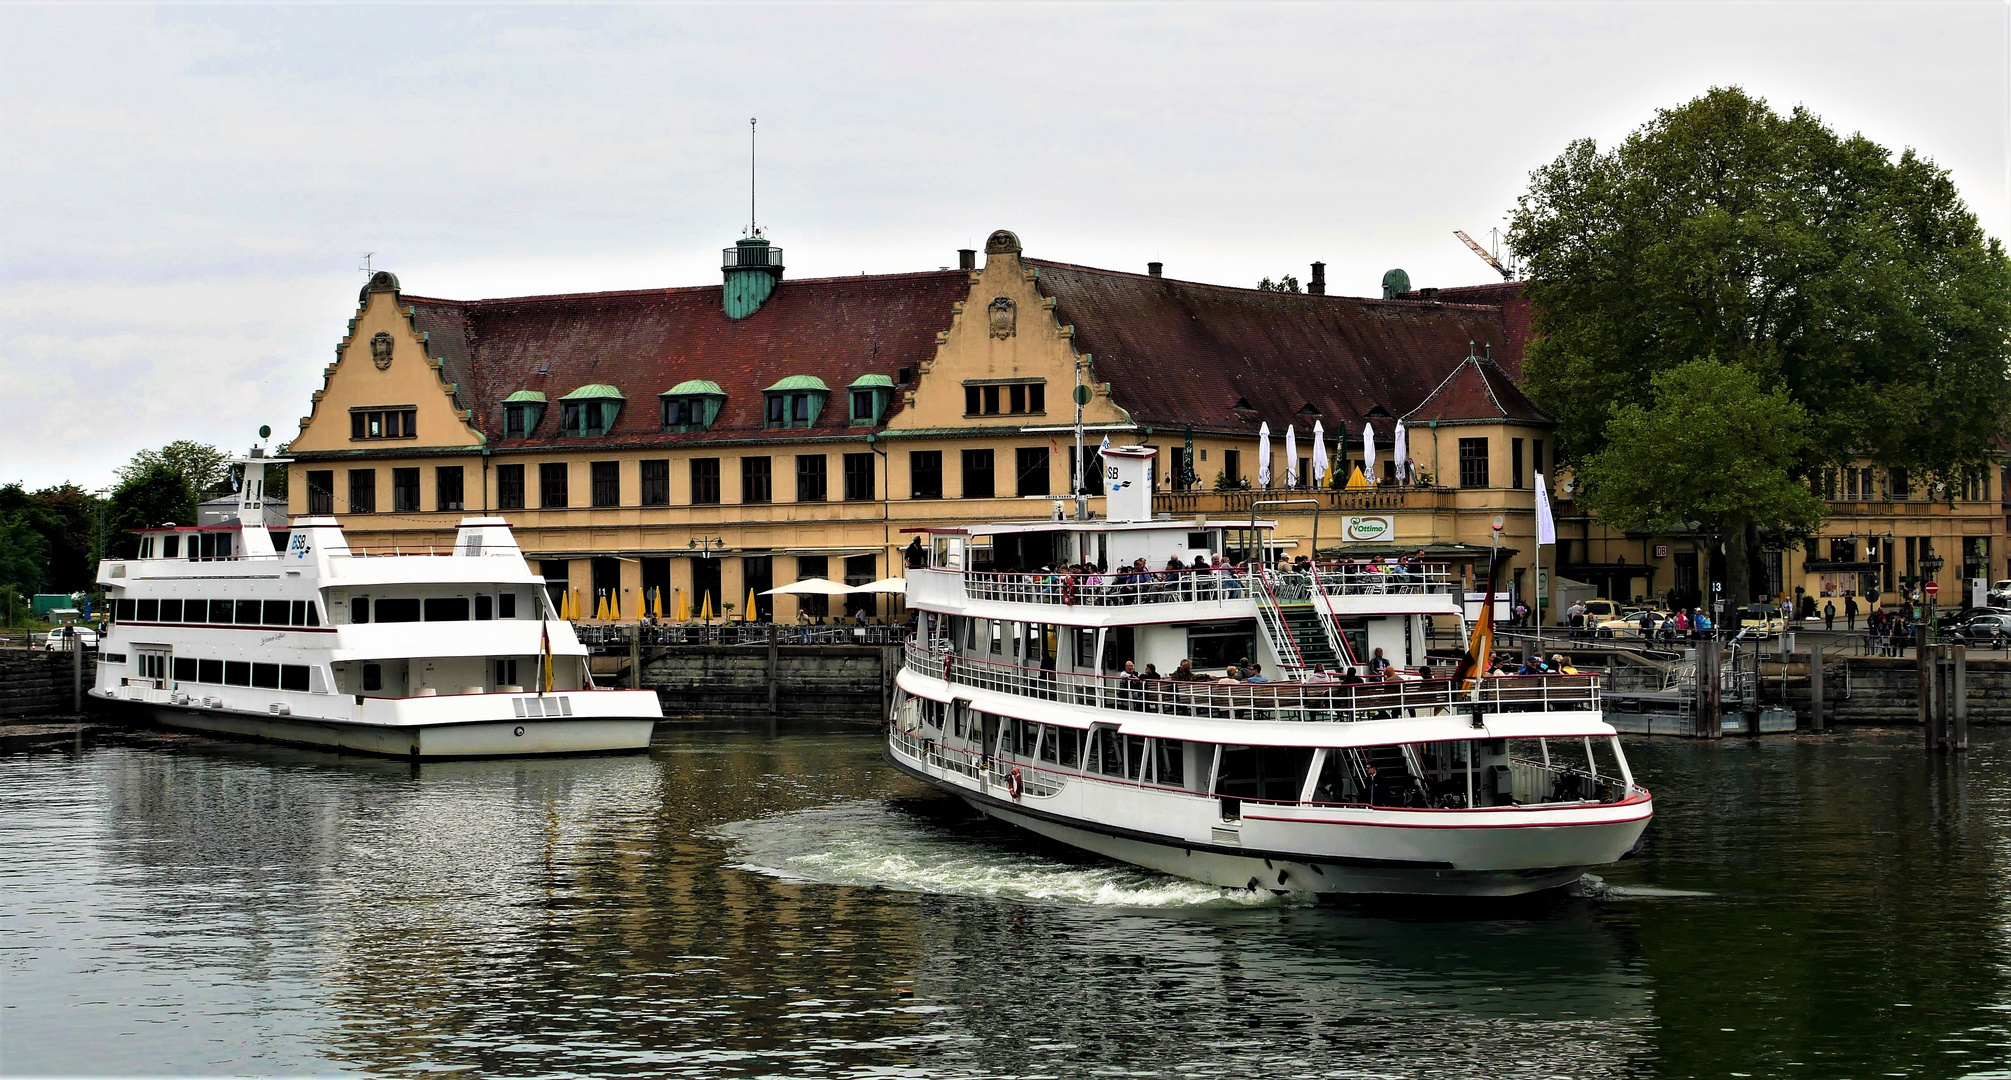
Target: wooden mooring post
x=1708, y=721
x=774, y=671
x=76, y=672
x=1942, y=674
x=1958, y=694
x=1815, y=688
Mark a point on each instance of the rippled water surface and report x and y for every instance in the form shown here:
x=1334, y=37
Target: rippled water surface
x=740, y=904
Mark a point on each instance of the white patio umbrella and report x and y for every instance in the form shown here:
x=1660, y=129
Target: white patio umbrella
x=1369, y=452
x=1291, y=455
x=1400, y=452
x=814, y=587
x=1264, y=454
x=884, y=585
x=1319, y=455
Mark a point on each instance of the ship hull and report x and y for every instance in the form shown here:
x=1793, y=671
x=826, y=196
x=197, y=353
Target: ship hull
x=504, y=737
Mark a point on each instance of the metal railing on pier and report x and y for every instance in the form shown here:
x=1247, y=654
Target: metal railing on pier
x=613, y=635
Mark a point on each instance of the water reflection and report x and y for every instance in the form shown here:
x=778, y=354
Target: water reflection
x=737, y=904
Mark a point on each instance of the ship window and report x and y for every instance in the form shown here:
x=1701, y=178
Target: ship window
x=195, y=611
x=122, y=610
x=401, y=609
x=222, y=612
x=265, y=676
x=300, y=613
x=447, y=609
x=1049, y=734
x=373, y=677
x=293, y=677
x=998, y=635
x=171, y=611
x=359, y=609
x=506, y=672
x=278, y=613
x=171, y=547
x=247, y=613
x=150, y=611
x=1221, y=644
x=185, y=669
x=236, y=673
x=209, y=671
x=485, y=609
x=313, y=613
x=1169, y=762
x=506, y=606
x=1276, y=773
x=153, y=665
x=1109, y=760
x=1134, y=756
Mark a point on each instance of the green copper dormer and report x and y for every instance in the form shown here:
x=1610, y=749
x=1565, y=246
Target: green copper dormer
x=752, y=268
x=590, y=410
x=521, y=413
x=691, y=405
x=795, y=401
x=871, y=394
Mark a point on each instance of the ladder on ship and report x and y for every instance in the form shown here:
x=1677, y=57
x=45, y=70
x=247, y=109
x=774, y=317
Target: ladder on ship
x=1300, y=637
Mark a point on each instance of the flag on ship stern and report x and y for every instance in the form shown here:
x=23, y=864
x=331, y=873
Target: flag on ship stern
x=544, y=658
x=1480, y=645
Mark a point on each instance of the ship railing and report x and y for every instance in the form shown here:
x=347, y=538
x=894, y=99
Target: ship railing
x=1535, y=782
x=1124, y=587
x=986, y=769
x=1289, y=701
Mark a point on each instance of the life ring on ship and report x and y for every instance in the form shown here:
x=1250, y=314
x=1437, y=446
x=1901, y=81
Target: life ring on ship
x=1068, y=589
x=1013, y=786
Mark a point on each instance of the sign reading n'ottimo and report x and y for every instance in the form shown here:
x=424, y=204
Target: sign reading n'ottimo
x=1361, y=529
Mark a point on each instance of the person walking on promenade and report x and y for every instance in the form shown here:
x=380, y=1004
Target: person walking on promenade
x=1850, y=612
x=1829, y=615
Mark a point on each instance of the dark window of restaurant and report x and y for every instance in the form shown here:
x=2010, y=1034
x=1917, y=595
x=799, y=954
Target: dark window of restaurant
x=265, y=676
x=704, y=481
x=1030, y=465
x=1232, y=467
x=150, y=611
x=991, y=396
x=405, y=491
x=509, y=487
x=859, y=477
x=321, y=491
x=925, y=474
x=293, y=677
x=447, y=608
x=756, y=483
x=811, y=481
x=1515, y=464
x=552, y=484
x=210, y=671
x=656, y=482
x=248, y=612
x=813, y=566
x=402, y=609
x=980, y=482
x=1473, y=463
x=607, y=483
x=363, y=491
x=237, y=673
x=973, y=396
x=276, y=613
x=447, y=487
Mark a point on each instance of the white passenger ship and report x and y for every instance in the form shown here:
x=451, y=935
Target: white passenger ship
x=456, y=654
x=1010, y=698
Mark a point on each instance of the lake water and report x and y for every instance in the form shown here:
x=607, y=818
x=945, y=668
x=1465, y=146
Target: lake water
x=736, y=904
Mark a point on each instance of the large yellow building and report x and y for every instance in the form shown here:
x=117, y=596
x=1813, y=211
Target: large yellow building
x=715, y=440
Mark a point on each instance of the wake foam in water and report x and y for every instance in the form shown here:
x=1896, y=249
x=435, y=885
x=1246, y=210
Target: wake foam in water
x=1595, y=887
x=877, y=845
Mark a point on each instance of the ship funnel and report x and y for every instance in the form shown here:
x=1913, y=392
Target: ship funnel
x=1127, y=482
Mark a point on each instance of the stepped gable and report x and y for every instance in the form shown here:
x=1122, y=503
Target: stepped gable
x=643, y=342
x=1178, y=352
x=1477, y=391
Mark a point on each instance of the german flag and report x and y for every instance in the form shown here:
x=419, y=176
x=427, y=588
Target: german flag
x=1480, y=645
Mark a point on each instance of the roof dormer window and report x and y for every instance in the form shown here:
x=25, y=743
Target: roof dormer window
x=691, y=405
x=589, y=411
x=795, y=401
x=521, y=413
x=871, y=394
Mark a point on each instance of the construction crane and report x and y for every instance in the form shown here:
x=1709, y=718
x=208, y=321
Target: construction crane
x=1506, y=274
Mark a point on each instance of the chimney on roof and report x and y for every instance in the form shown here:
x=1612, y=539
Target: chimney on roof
x=1155, y=269
x=967, y=258
x=1318, y=286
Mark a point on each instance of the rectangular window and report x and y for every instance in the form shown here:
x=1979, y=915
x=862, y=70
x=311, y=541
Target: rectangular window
x=1902, y=486
x=704, y=481
x=446, y=609
x=401, y=609
x=359, y=609
x=237, y=673
x=321, y=492
x=405, y=491
x=980, y=480
x=859, y=477
x=1092, y=470
x=756, y=483
x=1473, y=463
x=585, y=418
x=865, y=407
x=925, y=474
x=520, y=420
x=1515, y=464
x=656, y=482
x=810, y=478
x=394, y=423
x=265, y=676
x=972, y=400
x=447, y=487
x=1536, y=455
x=607, y=483
x=276, y=613
x=363, y=491
x=552, y=484
x=509, y=487
x=485, y=607
x=299, y=616
x=1016, y=398
x=171, y=611
x=991, y=396
x=1036, y=398
x=506, y=605
x=150, y=611
x=1232, y=468
x=209, y=671
x=1030, y=466
x=185, y=669
x=293, y=677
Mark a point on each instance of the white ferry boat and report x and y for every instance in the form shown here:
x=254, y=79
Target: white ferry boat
x=1013, y=697
x=418, y=655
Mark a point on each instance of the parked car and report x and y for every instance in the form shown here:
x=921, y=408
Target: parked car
x=2000, y=594
x=1762, y=621
x=1953, y=620
x=54, y=640
x=1599, y=611
x=1641, y=624
x=1991, y=630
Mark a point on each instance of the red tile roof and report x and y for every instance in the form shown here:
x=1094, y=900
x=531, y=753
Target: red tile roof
x=1476, y=390
x=646, y=341
x=1180, y=352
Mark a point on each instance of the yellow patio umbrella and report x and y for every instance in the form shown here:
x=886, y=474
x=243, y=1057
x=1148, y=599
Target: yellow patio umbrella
x=614, y=605
x=683, y=606
x=1358, y=482
x=705, y=605
x=600, y=606
x=747, y=613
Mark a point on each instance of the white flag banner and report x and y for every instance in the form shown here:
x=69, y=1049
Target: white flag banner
x=1546, y=526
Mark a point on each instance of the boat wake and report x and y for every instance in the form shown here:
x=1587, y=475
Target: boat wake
x=875, y=844
x=1595, y=887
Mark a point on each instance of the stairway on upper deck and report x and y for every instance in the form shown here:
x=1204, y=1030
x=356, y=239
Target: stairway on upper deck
x=1309, y=636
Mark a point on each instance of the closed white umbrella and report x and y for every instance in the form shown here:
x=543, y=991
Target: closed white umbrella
x=1291, y=455
x=1400, y=452
x=1369, y=452
x=1264, y=454
x=1319, y=455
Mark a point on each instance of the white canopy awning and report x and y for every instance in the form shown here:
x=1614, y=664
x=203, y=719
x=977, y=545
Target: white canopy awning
x=811, y=587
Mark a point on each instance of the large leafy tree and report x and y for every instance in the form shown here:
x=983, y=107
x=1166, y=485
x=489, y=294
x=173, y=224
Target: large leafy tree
x=65, y=517
x=206, y=468
x=156, y=495
x=1855, y=280
x=24, y=553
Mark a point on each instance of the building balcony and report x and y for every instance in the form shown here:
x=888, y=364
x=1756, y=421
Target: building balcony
x=1239, y=503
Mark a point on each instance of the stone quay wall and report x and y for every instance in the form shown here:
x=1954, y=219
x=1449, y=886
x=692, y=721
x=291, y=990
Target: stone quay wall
x=838, y=681
x=1885, y=690
x=36, y=683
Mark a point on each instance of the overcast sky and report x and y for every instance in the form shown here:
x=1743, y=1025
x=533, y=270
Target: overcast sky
x=188, y=190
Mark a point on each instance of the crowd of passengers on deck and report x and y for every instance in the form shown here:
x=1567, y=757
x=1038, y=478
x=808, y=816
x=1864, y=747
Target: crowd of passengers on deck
x=1205, y=578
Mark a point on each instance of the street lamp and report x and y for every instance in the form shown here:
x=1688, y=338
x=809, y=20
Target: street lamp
x=1930, y=568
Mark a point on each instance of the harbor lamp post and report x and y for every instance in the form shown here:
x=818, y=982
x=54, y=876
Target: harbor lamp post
x=1930, y=569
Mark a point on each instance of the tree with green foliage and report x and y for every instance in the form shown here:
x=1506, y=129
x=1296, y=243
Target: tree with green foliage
x=65, y=516
x=1856, y=281
x=24, y=553
x=206, y=468
x=1709, y=454
x=154, y=496
x=1286, y=283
